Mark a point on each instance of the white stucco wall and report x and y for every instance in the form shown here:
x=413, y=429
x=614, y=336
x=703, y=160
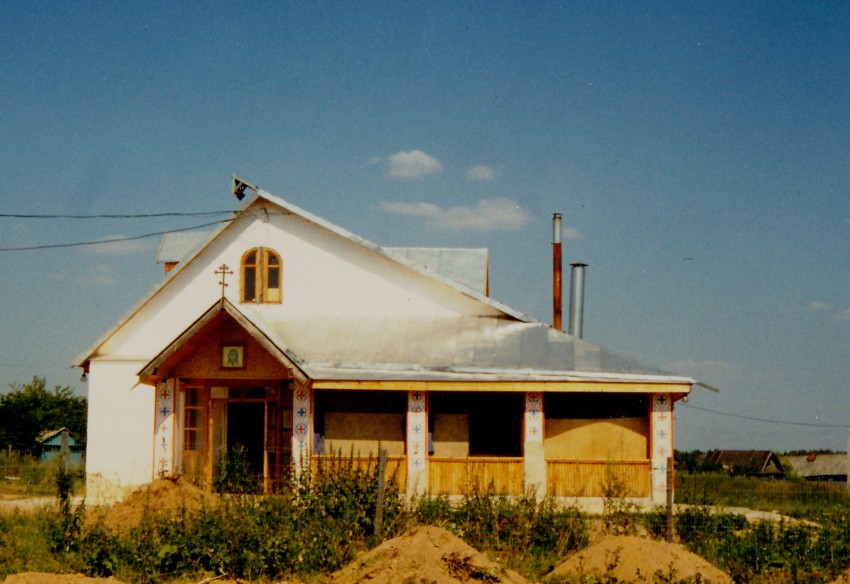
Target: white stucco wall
x=119, y=455
x=323, y=273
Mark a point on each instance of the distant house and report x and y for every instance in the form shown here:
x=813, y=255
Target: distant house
x=760, y=463
x=820, y=467
x=50, y=446
x=290, y=338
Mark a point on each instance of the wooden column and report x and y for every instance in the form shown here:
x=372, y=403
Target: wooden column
x=534, y=459
x=661, y=443
x=302, y=429
x=417, y=443
x=164, y=425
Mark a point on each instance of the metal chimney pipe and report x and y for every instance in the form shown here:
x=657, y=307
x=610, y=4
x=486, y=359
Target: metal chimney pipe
x=557, y=294
x=577, y=299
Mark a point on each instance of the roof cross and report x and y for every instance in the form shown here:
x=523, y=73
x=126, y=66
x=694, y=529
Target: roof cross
x=224, y=271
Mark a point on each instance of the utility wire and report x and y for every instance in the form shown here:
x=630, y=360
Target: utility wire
x=767, y=420
x=111, y=239
x=113, y=216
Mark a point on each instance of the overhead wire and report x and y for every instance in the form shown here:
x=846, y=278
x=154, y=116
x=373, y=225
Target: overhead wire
x=113, y=216
x=112, y=239
x=766, y=420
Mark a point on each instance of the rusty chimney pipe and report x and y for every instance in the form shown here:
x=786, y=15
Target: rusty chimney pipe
x=556, y=272
x=577, y=299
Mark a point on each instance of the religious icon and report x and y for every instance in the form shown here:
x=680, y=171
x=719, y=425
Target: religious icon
x=233, y=357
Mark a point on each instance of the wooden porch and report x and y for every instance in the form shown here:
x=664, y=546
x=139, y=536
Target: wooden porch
x=590, y=478
x=486, y=474
x=396, y=466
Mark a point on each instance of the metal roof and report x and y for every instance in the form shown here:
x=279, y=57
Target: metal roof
x=463, y=348
x=175, y=247
x=463, y=265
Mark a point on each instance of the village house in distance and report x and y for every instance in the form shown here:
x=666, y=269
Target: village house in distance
x=294, y=339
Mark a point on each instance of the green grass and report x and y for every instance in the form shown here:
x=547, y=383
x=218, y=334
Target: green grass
x=793, y=497
x=320, y=525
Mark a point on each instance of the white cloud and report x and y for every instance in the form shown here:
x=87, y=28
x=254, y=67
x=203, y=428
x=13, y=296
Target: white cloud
x=844, y=315
x=412, y=165
x=705, y=368
x=572, y=234
x=815, y=305
x=481, y=173
x=487, y=215
x=410, y=209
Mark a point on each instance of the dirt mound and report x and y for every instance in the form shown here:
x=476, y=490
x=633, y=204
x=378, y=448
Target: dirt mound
x=843, y=578
x=45, y=578
x=631, y=559
x=425, y=554
x=167, y=497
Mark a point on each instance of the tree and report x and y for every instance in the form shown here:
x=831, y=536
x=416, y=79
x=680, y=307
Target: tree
x=30, y=409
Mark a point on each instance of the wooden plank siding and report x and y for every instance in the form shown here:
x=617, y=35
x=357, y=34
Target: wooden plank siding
x=396, y=466
x=460, y=476
x=590, y=478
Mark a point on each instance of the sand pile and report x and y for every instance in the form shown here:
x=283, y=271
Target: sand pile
x=425, y=554
x=167, y=497
x=630, y=559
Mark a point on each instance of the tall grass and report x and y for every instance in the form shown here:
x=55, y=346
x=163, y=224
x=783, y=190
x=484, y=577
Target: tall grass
x=792, y=497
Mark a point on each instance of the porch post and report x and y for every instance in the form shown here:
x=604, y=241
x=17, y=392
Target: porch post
x=534, y=459
x=661, y=432
x=302, y=429
x=417, y=443
x=163, y=456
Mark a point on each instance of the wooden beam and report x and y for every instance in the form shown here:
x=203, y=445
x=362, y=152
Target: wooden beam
x=506, y=386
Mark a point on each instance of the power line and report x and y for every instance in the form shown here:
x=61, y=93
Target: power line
x=766, y=420
x=113, y=216
x=110, y=239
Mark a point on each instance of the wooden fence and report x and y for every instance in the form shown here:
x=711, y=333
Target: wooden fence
x=586, y=478
x=460, y=476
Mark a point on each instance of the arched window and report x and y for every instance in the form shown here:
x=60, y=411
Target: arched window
x=261, y=276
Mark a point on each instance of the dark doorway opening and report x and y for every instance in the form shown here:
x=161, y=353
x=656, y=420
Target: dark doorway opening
x=246, y=432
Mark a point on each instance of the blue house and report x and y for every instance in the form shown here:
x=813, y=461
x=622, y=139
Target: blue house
x=50, y=446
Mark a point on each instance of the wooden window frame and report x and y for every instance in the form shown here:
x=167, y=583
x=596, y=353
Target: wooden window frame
x=266, y=262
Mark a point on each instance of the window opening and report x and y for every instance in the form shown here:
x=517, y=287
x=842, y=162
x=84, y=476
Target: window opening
x=261, y=276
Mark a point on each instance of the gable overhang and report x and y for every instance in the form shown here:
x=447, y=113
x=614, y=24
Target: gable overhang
x=83, y=359
x=158, y=368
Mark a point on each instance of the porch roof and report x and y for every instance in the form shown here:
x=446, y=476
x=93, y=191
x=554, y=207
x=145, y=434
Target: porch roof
x=467, y=348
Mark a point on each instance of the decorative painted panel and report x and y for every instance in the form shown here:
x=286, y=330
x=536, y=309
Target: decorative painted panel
x=661, y=418
x=417, y=442
x=164, y=430
x=533, y=417
x=302, y=418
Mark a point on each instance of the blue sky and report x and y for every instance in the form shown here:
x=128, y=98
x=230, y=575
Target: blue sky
x=700, y=154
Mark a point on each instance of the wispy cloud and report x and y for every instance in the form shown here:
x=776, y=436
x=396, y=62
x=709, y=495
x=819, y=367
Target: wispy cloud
x=412, y=165
x=487, y=215
x=122, y=247
x=572, y=234
x=700, y=368
x=98, y=275
x=815, y=305
x=481, y=173
x=843, y=315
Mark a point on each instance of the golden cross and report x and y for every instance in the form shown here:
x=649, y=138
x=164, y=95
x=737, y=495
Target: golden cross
x=224, y=271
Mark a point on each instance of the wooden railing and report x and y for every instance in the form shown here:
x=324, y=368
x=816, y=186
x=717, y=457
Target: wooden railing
x=589, y=478
x=396, y=466
x=459, y=476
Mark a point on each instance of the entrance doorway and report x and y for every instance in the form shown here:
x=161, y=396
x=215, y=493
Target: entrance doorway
x=236, y=438
x=246, y=435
